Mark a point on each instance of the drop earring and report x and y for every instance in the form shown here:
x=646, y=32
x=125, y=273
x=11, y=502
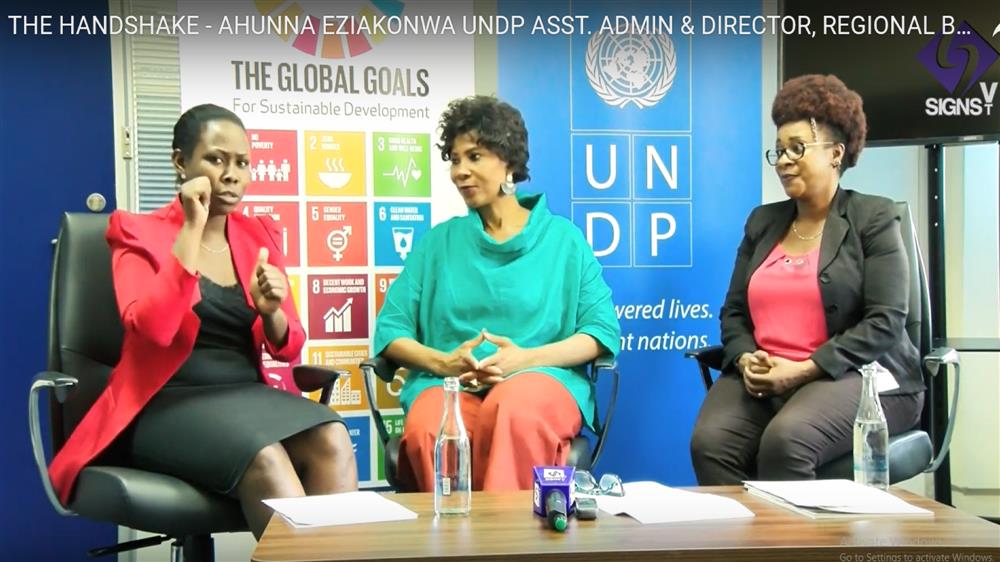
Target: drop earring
x=508, y=186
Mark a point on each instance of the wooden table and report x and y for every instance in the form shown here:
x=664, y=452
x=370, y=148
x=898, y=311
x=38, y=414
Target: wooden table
x=502, y=527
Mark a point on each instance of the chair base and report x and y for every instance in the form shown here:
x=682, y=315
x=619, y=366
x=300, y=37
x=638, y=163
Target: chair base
x=195, y=548
x=126, y=546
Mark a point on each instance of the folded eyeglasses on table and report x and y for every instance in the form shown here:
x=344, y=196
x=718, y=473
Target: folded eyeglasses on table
x=609, y=485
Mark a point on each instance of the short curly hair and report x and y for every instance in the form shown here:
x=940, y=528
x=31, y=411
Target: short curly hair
x=834, y=106
x=498, y=126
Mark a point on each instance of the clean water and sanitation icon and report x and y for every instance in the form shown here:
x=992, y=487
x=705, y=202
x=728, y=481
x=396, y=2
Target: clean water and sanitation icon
x=402, y=240
x=398, y=228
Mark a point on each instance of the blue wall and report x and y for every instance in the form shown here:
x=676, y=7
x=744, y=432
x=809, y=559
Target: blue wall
x=56, y=138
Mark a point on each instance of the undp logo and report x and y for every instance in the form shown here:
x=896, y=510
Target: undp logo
x=948, y=59
x=637, y=81
x=636, y=69
x=630, y=136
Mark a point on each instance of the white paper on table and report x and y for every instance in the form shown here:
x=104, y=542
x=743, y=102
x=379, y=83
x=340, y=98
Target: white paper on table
x=651, y=502
x=841, y=496
x=339, y=509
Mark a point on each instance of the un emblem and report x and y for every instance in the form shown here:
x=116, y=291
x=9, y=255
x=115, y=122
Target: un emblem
x=624, y=69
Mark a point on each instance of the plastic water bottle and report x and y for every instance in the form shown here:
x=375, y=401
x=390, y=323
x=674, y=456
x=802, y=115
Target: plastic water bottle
x=871, y=436
x=452, y=458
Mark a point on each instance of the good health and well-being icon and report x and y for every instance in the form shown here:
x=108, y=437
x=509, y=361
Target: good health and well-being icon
x=401, y=164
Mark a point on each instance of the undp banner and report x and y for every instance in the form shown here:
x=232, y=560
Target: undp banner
x=648, y=136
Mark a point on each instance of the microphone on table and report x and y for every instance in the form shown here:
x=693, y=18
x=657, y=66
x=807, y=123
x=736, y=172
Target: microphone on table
x=553, y=494
x=555, y=509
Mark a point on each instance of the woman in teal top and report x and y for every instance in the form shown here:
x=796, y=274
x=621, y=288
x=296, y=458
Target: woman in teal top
x=510, y=299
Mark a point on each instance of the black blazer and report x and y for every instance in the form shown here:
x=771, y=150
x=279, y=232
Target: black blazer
x=863, y=281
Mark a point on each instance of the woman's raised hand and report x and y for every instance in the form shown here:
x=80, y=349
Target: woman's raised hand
x=196, y=196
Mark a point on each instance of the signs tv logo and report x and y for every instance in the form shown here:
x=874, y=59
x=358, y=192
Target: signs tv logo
x=949, y=60
x=553, y=474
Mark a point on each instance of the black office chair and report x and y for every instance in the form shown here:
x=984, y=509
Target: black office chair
x=85, y=338
x=910, y=452
x=580, y=454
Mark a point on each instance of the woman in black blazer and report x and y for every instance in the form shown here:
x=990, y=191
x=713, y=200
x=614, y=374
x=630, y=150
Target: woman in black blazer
x=820, y=288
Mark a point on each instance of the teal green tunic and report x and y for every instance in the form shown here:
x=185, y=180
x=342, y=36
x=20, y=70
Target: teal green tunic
x=541, y=286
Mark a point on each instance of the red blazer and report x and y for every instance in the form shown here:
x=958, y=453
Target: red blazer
x=156, y=296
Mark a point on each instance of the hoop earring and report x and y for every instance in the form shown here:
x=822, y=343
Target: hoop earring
x=508, y=186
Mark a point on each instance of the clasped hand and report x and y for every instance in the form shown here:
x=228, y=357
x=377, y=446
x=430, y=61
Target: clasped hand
x=769, y=375
x=474, y=373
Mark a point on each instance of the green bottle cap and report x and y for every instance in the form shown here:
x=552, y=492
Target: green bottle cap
x=560, y=523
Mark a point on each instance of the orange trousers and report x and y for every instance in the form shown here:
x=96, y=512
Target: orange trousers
x=527, y=420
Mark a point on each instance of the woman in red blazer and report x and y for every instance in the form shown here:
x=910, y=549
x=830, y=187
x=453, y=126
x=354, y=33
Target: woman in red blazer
x=201, y=290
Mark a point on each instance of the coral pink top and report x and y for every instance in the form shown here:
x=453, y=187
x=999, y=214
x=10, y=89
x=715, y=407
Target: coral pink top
x=785, y=305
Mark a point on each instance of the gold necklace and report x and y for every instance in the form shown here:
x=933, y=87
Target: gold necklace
x=221, y=250
x=805, y=238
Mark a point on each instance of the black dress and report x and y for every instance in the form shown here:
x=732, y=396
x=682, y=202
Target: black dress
x=207, y=423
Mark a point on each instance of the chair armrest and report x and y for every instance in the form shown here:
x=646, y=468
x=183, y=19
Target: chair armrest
x=383, y=367
x=709, y=359
x=310, y=378
x=385, y=370
x=710, y=356
x=940, y=356
x=933, y=361
x=603, y=364
x=60, y=385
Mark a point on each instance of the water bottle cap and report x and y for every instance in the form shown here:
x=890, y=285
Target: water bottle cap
x=451, y=383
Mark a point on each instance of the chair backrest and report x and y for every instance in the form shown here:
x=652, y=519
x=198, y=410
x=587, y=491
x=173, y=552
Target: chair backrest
x=918, y=320
x=85, y=331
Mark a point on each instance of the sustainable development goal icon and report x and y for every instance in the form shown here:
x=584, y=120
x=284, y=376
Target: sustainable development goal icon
x=340, y=45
